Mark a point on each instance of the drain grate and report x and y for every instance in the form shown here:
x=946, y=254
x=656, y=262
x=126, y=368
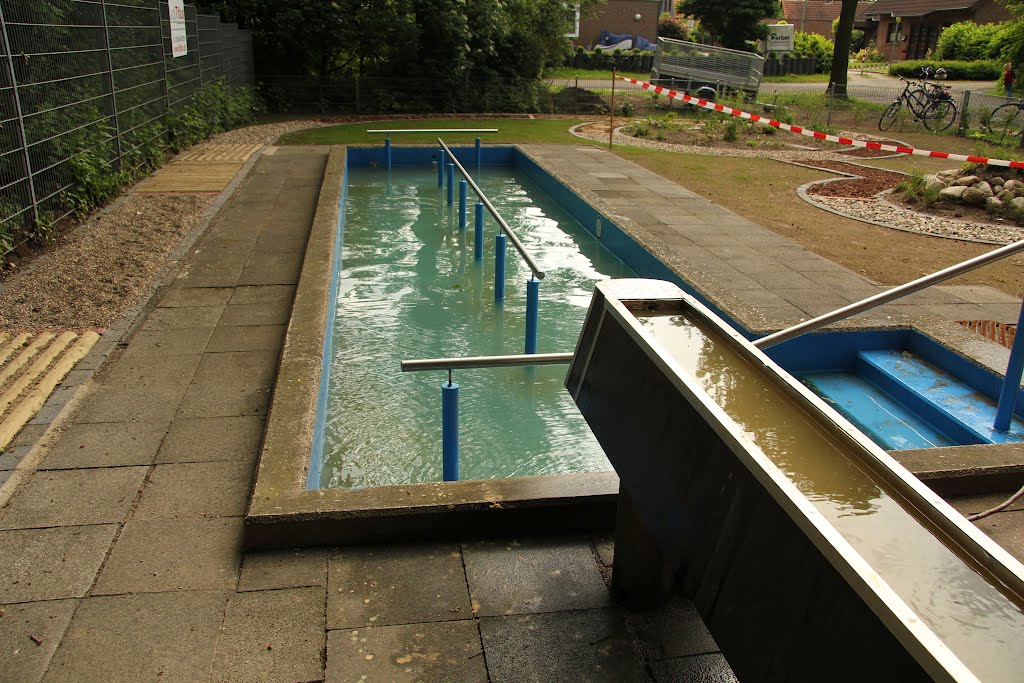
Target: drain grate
x=32, y=364
x=1000, y=333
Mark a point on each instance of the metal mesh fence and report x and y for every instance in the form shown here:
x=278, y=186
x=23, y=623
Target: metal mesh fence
x=94, y=79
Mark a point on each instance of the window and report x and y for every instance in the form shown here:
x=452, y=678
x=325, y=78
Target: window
x=575, y=21
x=895, y=32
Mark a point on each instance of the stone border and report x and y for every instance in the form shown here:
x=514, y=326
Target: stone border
x=283, y=513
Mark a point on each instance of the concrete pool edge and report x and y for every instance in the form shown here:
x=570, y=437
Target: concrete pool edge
x=283, y=512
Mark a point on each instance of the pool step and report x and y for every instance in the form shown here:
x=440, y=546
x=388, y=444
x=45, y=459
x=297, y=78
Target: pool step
x=944, y=401
x=885, y=420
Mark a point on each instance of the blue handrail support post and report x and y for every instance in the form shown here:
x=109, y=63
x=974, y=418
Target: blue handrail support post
x=451, y=183
x=1011, y=385
x=450, y=430
x=462, y=205
x=499, y=266
x=479, y=155
x=387, y=152
x=478, y=232
x=532, y=309
x=442, y=159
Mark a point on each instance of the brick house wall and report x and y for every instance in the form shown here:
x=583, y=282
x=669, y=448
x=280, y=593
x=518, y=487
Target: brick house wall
x=618, y=16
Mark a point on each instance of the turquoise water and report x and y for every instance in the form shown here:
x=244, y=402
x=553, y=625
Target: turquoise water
x=410, y=288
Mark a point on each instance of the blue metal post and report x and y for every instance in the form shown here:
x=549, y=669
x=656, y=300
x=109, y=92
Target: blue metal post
x=1014, y=369
x=451, y=183
x=499, y=266
x=479, y=157
x=462, y=205
x=478, y=232
x=442, y=158
x=450, y=430
x=532, y=306
x=387, y=152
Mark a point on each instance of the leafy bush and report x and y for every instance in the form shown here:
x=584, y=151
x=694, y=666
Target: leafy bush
x=967, y=41
x=623, y=60
x=216, y=107
x=956, y=71
x=669, y=26
x=870, y=55
x=816, y=46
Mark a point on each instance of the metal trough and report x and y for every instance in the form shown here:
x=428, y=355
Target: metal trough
x=809, y=552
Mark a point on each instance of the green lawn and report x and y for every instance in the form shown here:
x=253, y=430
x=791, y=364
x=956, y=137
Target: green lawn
x=509, y=130
x=569, y=73
x=803, y=78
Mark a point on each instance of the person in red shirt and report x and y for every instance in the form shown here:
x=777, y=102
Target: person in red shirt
x=1008, y=79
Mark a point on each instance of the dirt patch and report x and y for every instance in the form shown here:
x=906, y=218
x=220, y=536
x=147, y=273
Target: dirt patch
x=871, y=182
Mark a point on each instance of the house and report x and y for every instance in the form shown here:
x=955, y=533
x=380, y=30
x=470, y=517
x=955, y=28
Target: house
x=908, y=29
x=812, y=16
x=632, y=17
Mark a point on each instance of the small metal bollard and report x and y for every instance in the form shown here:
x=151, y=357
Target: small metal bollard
x=449, y=430
x=478, y=232
x=387, y=152
x=442, y=158
x=479, y=154
x=462, y=205
x=499, y=266
x=532, y=309
x=451, y=183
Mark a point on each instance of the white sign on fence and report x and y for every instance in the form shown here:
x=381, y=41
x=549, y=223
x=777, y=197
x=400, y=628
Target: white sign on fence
x=780, y=38
x=179, y=44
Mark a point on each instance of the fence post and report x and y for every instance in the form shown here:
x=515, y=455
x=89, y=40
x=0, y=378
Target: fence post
x=163, y=66
x=671, y=87
x=576, y=110
x=965, y=104
x=110, y=81
x=21, y=118
x=830, y=95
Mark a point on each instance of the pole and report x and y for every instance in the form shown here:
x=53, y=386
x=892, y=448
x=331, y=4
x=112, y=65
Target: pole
x=532, y=306
x=462, y=205
x=441, y=159
x=478, y=232
x=387, y=152
x=449, y=430
x=965, y=103
x=611, y=114
x=451, y=183
x=499, y=266
x=479, y=154
x=22, y=140
x=1011, y=384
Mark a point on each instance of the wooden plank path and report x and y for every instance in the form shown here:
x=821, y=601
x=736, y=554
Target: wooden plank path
x=32, y=364
x=207, y=168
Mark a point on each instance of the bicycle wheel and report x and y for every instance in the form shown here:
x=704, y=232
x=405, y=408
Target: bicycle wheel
x=889, y=116
x=939, y=115
x=1006, y=123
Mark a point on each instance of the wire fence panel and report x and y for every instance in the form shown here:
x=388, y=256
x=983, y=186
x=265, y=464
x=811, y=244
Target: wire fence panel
x=94, y=79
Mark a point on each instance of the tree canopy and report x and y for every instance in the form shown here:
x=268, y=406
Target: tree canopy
x=732, y=23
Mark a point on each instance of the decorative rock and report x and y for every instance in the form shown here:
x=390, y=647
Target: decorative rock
x=954, y=192
x=1016, y=206
x=984, y=187
x=974, y=195
x=997, y=189
x=932, y=182
x=993, y=205
x=1005, y=195
x=998, y=181
x=948, y=173
x=1013, y=185
x=966, y=181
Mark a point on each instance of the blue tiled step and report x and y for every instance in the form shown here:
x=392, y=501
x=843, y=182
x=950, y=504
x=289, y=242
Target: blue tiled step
x=944, y=401
x=885, y=420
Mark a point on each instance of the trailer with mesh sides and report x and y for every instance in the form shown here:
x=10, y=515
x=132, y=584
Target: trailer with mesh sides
x=693, y=67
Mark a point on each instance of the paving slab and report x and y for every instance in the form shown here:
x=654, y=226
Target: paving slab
x=133, y=638
x=386, y=585
x=29, y=435
x=108, y=444
x=207, y=439
x=187, y=297
x=265, y=268
x=150, y=370
x=12, y=456
x=274, y=636
x=210, y=275
x=533, y=575
x=202, y=489
x=252, y=338
x=256, y=368
x=50, y=564
x=421, y=653
x=297, y=568
x=160, y=343
x=74, y=497
x=261, y=293
x=672, y=630
x=259, y=313
x=588, y=645
x=183, y=318
x=153, y=556
x=29, y=634
x=224, y=400
x=130, y=404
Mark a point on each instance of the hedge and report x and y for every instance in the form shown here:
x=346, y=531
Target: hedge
x=623, y=60
x=955, y=71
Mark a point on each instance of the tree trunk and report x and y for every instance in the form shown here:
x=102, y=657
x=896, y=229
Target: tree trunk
x=841, y=55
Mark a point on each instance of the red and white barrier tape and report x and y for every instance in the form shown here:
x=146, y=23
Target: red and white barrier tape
x=683, y=97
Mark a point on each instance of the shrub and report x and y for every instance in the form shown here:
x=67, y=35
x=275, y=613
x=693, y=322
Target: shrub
x=968, y=41
x=957, y=71
x=816, y=46
x=669, y=26
x=602, y=60
x=870, y=55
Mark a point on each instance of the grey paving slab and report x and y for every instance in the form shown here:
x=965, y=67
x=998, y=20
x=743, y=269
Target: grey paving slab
x=260, y=313
x=160, y=343
x=424, y=653
x=386, y=585
x=251, y=338
x=672, y=630
x=5, y=475
x=105, y=445
x=148, y=370
x=29, y=634
x=183, y=318
x=272, y=637
x=605, y=547
x=270, y=242
x=261, y=293
x=74, y=497
x=210, y=275
x=29, y=435
x=153, y=556
x=283, y=569
x=207, y=439
x=697, y=669
x=588, y=645
x=11, y=457
x=532, y=575
x=185, y=297
x=201, y=489
x=979, y=294
x=128, y=404
x=224, y=400
x=50, y=564
x=253, y=367
x=133, y=638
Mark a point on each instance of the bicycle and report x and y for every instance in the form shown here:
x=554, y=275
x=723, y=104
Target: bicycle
x=1006, y=122
x=928, y=102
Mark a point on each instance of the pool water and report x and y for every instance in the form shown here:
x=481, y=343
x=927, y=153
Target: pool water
x=410, y=288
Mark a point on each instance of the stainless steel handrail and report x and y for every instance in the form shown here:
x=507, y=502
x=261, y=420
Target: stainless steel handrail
x=537, y=272
x=888, y=295
x=433, y=130
x=486, y=361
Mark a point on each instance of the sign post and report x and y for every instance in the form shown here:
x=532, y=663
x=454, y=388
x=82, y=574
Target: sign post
x=179, y=42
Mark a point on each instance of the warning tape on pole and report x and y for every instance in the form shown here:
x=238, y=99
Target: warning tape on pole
x=764, y=120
